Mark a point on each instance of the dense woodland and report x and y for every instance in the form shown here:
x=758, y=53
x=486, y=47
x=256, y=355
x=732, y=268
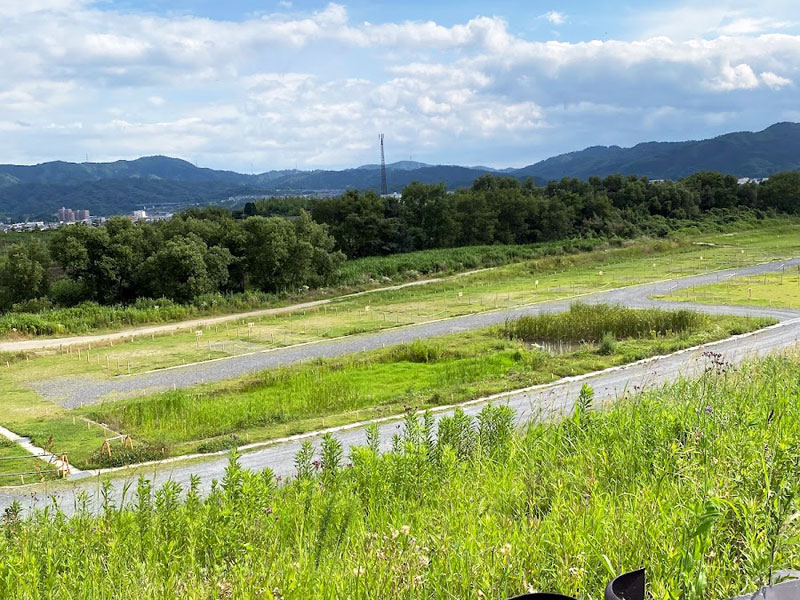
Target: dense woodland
x=280, y=245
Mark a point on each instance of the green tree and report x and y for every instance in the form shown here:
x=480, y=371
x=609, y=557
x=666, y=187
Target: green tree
x=184, y=268
x=24, y=273
x=781, y=192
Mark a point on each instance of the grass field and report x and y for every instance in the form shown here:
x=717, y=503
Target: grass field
x=771, y=289
x=696, y=482
x=416, y=376
x=18, y=471
x=508, y=286
x=558, y=276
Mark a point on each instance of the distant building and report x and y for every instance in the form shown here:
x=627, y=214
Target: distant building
x=66, y=215
x=139, y=215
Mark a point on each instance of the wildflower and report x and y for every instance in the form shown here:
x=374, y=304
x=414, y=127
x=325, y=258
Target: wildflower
x=506, y=549
x=405, y=529
x=424, y=560
x=709, y=410
x=358, y=571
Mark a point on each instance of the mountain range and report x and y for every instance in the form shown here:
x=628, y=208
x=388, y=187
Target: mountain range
x=37, y=191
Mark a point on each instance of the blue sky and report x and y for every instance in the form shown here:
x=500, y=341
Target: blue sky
x=253, y=86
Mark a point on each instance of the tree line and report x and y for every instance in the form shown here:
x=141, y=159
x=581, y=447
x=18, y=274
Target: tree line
x=197, y=252
x=284, y=244
x=503, y=210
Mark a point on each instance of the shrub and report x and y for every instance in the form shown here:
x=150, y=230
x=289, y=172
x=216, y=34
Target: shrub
x=608, y=345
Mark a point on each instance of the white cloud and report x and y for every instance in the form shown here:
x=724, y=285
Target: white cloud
x=774, y=81
x=725, y=17
x=555, y=17
x=311, y=90
x=740, y=77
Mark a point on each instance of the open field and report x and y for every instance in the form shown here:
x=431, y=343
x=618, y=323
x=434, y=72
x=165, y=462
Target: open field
x=415, y=376
x=696, y=482
x=770, y=289
x=560, y=276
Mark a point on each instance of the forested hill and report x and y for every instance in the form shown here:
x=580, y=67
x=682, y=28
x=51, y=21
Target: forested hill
x=744, y=154
x=37, y=191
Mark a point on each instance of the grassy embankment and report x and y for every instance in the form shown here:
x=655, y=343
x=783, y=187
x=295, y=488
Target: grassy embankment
x=419, y=375
x=781, y=290
x=696, y=482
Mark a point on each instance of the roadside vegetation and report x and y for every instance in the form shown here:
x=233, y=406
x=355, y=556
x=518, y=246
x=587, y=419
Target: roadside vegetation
x=697, y=482
x=419, y=375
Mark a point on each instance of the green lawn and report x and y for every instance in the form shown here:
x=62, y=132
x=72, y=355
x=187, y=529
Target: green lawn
x=696, y=482
x=17, y=467
x=771, y=289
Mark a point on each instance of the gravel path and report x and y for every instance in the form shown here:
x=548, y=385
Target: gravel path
x=72, y=392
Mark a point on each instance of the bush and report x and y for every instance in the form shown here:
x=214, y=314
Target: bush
x=68, y=292
x=418, y=351
x=608, y=345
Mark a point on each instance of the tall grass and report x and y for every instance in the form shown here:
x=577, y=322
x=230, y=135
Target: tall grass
x=90, y=316
x=591, y=322
x=448, y=260
x=697, y=482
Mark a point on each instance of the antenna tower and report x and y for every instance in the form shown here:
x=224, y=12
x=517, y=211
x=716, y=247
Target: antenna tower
x=384, y=186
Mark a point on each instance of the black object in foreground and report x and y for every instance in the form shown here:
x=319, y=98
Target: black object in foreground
x=631, y=586
x=628, y=586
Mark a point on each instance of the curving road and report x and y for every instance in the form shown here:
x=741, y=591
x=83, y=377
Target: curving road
x=528, y=403
x=74, y=392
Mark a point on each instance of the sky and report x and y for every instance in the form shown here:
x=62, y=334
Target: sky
x=252, y=86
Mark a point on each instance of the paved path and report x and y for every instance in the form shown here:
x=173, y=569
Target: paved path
x=528, y=404
x=72, y=392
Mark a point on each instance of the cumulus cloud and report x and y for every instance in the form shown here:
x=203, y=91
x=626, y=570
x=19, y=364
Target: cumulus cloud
x=262, y=90
x=739, y=77
x=555, y=17
x=774, y=81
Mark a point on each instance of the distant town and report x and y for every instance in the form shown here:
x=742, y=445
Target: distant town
x=69, y=216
